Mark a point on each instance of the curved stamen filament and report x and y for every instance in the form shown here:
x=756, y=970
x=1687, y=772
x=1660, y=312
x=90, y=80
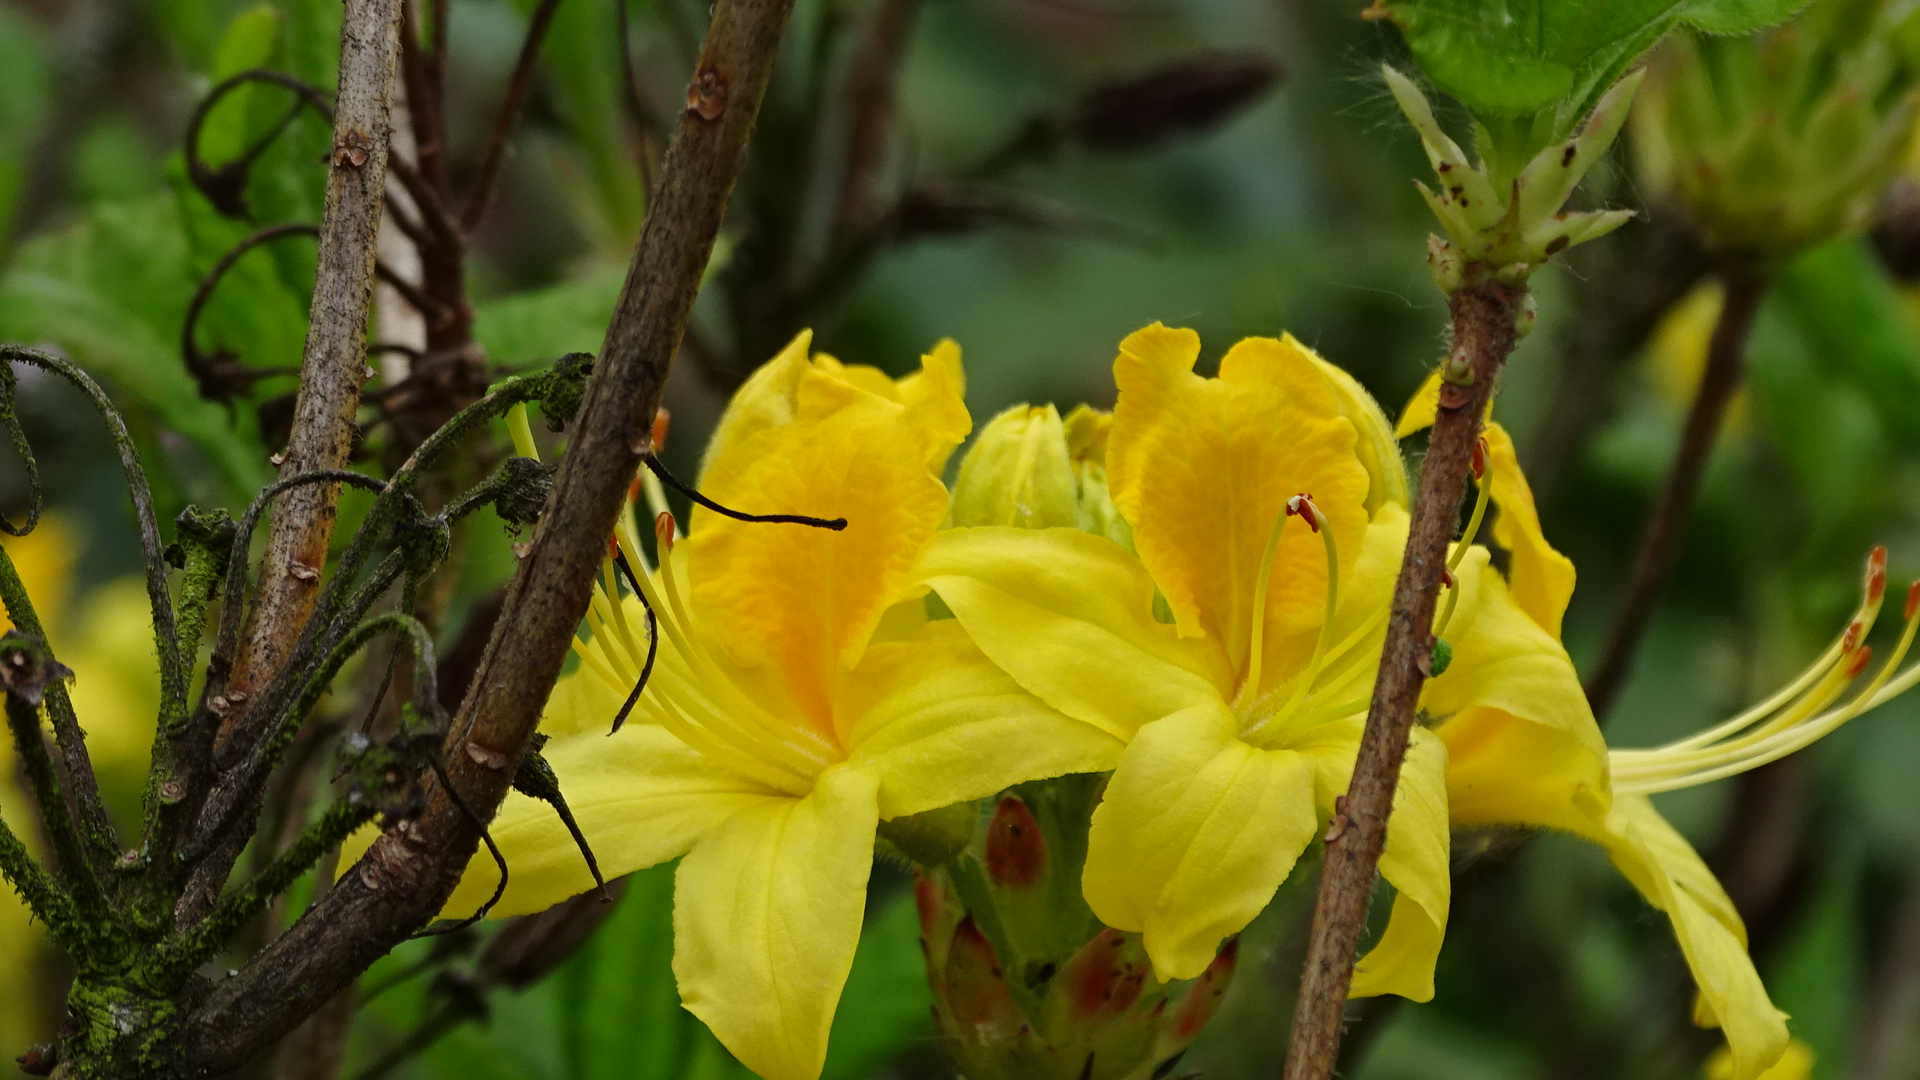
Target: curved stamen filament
x=1805, y=719
x=1872, y=593
x=1303, y=506
x=1484, y=495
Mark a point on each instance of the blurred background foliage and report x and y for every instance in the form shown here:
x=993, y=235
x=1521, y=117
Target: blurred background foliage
x=1034, y=178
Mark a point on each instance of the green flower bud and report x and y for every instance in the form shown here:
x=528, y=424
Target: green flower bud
x=1508, y=224
x=1776, y=142
x=1018, y=473
x=1027, y=984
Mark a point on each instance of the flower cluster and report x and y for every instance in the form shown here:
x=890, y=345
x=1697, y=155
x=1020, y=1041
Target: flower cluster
x=1179, y=606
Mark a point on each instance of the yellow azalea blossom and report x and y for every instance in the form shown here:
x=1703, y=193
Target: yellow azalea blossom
x=799, y=698
x=105, y=635
x=1506, y=773
x=1267, y=508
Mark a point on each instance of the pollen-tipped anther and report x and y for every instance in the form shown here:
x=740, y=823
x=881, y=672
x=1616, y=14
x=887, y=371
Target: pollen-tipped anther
x=1876, y=574
x=1480, y=459
x=1302, y=507
x=1851, y=641
x=663, y=529
x=1913, y=600
x=661, y=421
x=1860, y=661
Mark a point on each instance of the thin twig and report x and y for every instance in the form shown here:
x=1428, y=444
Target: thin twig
x=405, y=877
x=1660, y=544
x=1483, y=336
x=483, y=183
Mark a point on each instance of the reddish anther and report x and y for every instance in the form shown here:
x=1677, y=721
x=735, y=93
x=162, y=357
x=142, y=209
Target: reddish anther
x=1016, y=852
x=663, y=530
x=1877, y=573
x=1860, y=661
x=1913, y=599
x=1301, y=505
x=661, y=421
x=1852, y=639
x=1480, y=459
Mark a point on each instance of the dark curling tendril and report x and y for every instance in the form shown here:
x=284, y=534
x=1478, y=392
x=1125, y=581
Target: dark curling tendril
x=653, y=641
x=674, y=482
x=493, y=849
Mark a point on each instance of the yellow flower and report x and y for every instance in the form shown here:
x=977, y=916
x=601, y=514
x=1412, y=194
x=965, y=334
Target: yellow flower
x=1506, y=773
x=799, y=698
x=1267, y=507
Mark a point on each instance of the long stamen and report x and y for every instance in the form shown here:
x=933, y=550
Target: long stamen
x=1452, y=585
x=1483, y=496
x=1872, y=592
x=733, y=702
x=1806, y=717
x=1302, y=505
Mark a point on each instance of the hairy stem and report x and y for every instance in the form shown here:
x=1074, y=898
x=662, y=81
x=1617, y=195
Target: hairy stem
x=1660, y=544
x=1483, y=321
x=404, y=879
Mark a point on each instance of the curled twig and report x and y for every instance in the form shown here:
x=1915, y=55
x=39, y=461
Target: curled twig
x=220, y=376
x=225, y=186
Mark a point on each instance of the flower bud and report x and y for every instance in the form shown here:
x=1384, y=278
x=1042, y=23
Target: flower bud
x=1776, y=142
x=1017, y=473
x=1027, y=984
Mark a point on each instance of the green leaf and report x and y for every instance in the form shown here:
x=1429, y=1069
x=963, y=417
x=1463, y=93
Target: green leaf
x=591, y=102
x=543, y=324
x=887, y=1006
x=1739, y=16
x=1548, y=61
x=110, y=290
x=1850, y=316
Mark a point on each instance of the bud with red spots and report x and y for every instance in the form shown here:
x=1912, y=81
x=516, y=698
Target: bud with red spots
x=1027, y=984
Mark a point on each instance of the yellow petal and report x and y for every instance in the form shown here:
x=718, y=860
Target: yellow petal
x=1195, y=834
x=765, y=400
x=766, y=914
x=1070, y=616
x=1017, y=473
x=641, y=797
x=1523, y=746
x=1667, y=871
x=1542, y=578
x=1087, y=429
x=935, y=397
x=1421, y=408
x=1378, y=447
x=798, y=604
x=940, y=724
x=1202, y=468
x=1795, y=1064
x=1415, y=861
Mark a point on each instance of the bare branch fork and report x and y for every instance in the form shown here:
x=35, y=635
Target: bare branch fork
x=1484, y=314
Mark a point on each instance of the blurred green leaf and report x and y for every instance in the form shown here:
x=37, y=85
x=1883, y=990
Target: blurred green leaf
x=543, y=324
x=591, y=100
x=1851, y=318
x=251, y=40
x=887, y=1006
x=1818, y=977
x=111, y=290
